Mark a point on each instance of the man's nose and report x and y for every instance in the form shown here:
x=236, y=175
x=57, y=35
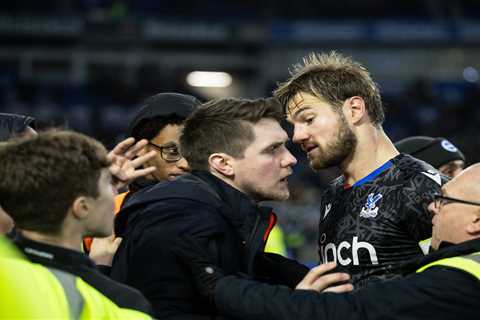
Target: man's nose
x=432, y=208
x=299, y=133
x=183, y=164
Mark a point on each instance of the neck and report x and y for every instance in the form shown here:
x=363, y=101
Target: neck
x=231, y=183
x=373, y=149
x=59, y=240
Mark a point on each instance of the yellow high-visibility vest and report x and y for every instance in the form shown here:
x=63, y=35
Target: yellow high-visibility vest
x=31, y=291
x=468, y=263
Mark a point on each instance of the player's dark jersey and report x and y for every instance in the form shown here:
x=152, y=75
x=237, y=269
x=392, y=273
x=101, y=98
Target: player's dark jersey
x=372, y=226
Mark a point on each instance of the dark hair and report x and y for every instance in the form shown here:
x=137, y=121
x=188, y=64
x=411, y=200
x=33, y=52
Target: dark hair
x=224, y=125
x=333, y=78
x=151, y=127
x=42, y=176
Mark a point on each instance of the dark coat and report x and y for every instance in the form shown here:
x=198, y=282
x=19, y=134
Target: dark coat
x=439, y=292
x=224, y=221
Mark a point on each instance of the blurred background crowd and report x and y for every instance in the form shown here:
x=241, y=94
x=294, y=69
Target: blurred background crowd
x=87, y=65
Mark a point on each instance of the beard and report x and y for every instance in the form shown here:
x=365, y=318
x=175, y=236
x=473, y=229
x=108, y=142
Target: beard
x=336, y=150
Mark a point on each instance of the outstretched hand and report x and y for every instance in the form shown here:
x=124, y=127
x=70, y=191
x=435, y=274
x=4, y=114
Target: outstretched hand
x=124, y=166
x=318, y=281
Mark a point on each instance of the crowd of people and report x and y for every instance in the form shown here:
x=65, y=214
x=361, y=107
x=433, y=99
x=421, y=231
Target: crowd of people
x=172, y=222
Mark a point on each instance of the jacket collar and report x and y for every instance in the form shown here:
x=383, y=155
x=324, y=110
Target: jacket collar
x=239, y=209
x=447, y=250
x=141, y=183
x=50, y=255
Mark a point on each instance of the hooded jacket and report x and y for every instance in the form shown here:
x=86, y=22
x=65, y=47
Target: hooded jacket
x=224, y=221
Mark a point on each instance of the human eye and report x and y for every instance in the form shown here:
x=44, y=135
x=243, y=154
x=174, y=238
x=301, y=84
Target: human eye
x=172, y=150
x=274, y=148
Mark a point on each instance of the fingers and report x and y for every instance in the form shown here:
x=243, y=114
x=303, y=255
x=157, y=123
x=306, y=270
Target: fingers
x=139, y=173
x=316, y=272
x=328, y=280
x=132, y=152
x=117, y=242
x=137, y=162
x=121, y=147
x=348, y=287
x=318, y=281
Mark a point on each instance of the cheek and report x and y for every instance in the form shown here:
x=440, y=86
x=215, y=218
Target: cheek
x=324, y=128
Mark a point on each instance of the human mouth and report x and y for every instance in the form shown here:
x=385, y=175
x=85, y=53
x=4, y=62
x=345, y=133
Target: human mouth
x=310, y=149
x=172, y=177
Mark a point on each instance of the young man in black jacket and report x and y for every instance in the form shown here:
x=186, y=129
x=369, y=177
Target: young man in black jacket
x=236, y=150
x=442, y=285
x=57, y=186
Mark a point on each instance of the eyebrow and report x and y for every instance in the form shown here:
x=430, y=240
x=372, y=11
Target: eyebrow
x=299, y=110
x=275, y=144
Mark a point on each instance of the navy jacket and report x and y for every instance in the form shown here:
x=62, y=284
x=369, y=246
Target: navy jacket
x=227, y=224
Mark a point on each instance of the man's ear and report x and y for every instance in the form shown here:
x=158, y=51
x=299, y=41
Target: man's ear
x=81, y=207
x=473, y=228
x=355, y=109
x=221, y=163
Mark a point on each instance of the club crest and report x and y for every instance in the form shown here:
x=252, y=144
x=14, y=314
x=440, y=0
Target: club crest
x=370, y=209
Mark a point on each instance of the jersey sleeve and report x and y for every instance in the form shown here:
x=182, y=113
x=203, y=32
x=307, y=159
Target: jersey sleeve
x=417, y=195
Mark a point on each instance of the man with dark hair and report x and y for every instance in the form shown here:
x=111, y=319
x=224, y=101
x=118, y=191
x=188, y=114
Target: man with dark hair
x=439, y=152
x=374, y=215
x=57, y=187
x=236, y=149
x=159, y=121
x=445, y=284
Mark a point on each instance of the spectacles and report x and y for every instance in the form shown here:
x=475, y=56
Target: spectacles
x=169, y=152
x=441, y=200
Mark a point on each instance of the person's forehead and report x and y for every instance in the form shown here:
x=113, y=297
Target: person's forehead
x=300, y=102
x=169, y=132
x=268, y=131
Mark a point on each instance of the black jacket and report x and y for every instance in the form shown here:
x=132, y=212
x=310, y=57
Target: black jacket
x=79, y=264
x=439, y=292
x=224, y=221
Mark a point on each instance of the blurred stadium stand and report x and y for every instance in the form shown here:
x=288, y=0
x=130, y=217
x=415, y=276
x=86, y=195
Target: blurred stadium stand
x=86, y=64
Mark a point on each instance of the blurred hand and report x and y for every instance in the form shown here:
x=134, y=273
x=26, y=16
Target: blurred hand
x=102, y=250
x=318, y=281
x=123, y=168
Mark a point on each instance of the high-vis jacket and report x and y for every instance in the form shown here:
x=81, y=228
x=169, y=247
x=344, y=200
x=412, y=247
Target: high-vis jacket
x=443, y=285
x=31, y=291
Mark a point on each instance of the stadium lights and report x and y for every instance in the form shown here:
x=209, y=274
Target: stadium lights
x=209, y=79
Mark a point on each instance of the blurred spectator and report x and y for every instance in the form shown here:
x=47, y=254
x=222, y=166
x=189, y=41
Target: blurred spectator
x=439, y=152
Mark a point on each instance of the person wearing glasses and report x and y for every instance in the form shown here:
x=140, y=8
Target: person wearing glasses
x=237, y=151
x=445, y=284
x=159, y=121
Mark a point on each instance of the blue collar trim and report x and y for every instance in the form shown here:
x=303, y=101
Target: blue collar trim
x=374, y=174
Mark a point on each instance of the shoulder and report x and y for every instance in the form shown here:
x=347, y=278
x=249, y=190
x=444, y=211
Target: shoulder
x=407, y=167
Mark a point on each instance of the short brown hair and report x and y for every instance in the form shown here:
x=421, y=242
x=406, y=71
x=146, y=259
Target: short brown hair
x=224, y=125
x=42, y=176
x=333, y=78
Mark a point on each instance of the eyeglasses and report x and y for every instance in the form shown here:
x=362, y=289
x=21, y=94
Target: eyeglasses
x=441, y=200
x=169, y=152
